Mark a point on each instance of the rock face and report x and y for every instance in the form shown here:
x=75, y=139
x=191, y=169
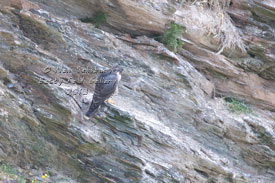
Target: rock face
x=169, y=122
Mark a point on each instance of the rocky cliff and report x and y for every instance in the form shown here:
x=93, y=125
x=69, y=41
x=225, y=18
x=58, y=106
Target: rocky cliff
x=203, y=114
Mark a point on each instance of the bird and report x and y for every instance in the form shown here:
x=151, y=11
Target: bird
x=105, y=88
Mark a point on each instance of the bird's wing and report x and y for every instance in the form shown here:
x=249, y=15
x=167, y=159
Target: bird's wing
x=104, y=91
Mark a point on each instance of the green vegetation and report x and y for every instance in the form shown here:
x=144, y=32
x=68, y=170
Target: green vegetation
x=9, y=173
x=172, y=37
x=235, y=105
x=98, y=20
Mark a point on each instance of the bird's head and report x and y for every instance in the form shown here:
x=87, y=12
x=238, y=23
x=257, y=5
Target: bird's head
x=117, y=69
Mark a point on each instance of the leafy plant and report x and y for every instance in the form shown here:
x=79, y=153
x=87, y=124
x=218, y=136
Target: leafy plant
x=9, y=172
x=98, y=20
x=172, y=37
x=235, y=105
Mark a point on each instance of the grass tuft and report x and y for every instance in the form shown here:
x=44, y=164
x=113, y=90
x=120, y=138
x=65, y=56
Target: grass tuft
x=98, y=20
x=211, y=18
x=237, y=106
x=172, y=37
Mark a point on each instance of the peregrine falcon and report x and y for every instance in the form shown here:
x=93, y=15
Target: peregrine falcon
x=105, y=88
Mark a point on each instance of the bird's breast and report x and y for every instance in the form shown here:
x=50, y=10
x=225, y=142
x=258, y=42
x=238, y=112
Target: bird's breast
x=118, y=76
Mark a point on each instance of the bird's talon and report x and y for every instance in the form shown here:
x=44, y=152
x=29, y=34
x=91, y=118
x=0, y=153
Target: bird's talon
x=86, y=117
x=110, y=101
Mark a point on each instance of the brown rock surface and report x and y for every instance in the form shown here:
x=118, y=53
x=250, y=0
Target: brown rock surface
x=21, y=4
x=170, y=122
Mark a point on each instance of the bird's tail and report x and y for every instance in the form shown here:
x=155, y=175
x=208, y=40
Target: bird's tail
x=93, y=109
